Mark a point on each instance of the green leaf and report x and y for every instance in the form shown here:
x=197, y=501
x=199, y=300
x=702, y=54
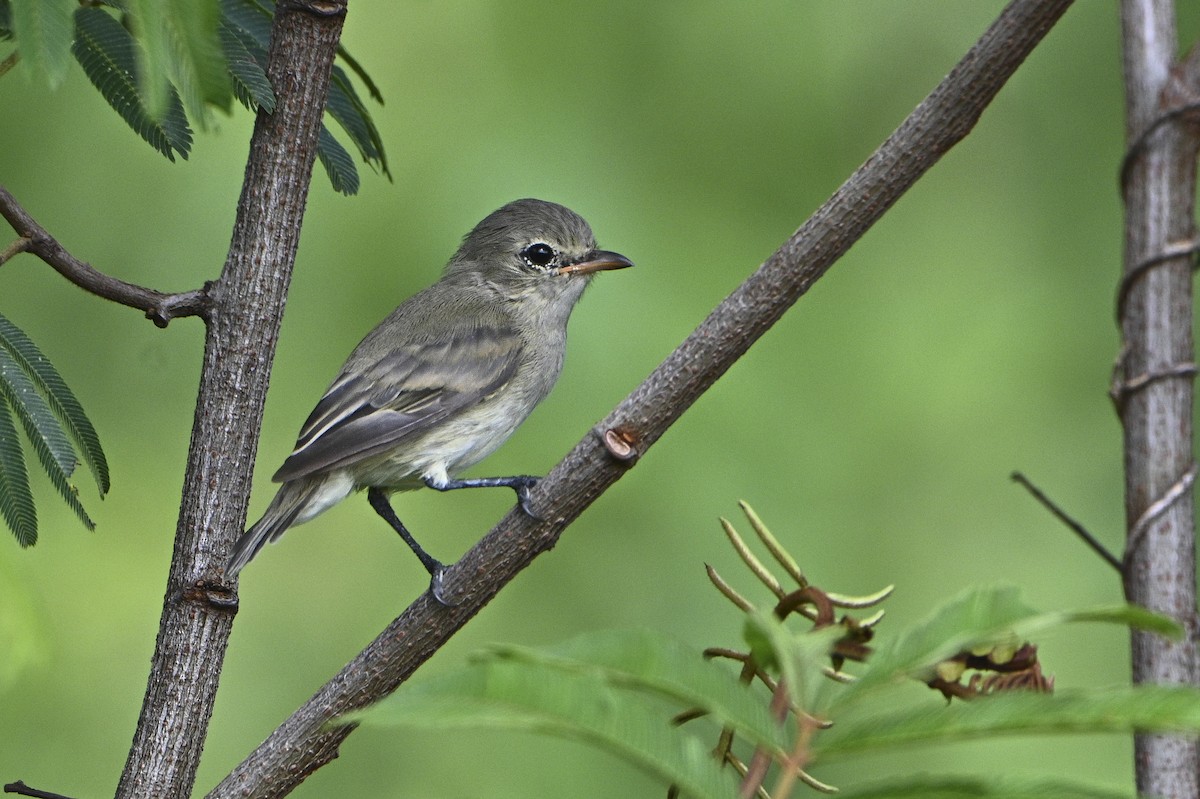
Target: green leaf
x=358, y=70
x=975, y=617
x=42, y=29
x=345, y=106
x=105, y=50
x=1152, y=708
x=515, y=696
x=247, y=68
x=800, y=658
x=649, y=662
x=44, y=432
x=43, y=429
x=249, y=18
x=1128, y=615
x=16, y=500
x=992, y=787
x=154, y=55
x=180, y=47
x=337, y=162
x=59, y=396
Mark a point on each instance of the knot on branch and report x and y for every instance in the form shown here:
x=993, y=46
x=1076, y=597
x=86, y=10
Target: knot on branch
x=212, y=595
x=173, y=306
x=623, y=442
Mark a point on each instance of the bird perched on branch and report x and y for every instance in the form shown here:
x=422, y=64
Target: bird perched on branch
x=445, y=379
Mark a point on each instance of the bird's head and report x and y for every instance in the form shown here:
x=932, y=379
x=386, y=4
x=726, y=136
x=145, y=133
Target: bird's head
x=534, y=251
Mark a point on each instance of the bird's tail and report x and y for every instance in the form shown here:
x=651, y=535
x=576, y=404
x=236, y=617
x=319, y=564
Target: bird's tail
x=292, y=505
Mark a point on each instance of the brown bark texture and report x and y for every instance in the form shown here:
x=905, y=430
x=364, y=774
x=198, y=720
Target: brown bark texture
x=242, y=326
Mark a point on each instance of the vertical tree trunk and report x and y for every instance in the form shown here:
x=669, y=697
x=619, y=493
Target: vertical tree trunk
x=243, y=325
x=1155, y=372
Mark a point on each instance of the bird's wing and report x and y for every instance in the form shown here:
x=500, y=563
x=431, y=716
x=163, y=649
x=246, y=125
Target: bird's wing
x=401, y=394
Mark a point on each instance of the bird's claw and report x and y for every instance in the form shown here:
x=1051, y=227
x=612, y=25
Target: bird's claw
x=437, y=587
x=523, y=488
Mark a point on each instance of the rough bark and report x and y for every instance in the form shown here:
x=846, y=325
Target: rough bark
x=303, y=742
x=243, y=323
x=1153, y=386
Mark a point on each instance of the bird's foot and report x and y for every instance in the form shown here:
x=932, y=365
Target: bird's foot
x=522, y=486
x=437, y=587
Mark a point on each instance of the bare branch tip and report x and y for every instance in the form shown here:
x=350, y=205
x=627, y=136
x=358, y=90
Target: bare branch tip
x=21, y=789
x=1075, y=526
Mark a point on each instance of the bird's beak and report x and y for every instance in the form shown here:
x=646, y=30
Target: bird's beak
x=598, y=261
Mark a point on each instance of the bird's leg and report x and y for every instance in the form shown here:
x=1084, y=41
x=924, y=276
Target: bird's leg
x=520, y=483
x=435, y=567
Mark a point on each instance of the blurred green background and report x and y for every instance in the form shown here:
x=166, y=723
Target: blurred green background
x=969, y=334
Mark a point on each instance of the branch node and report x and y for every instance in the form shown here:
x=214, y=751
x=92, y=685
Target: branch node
x=621, y=442
x=215, y=596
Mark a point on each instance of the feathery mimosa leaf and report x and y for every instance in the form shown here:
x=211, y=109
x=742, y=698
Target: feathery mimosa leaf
x=42, y=29
x=247, y=67
x=337, y=163
x=345, y=106
x=16, y=500
x=105, y=50
x=59, y=396
x=43, y=428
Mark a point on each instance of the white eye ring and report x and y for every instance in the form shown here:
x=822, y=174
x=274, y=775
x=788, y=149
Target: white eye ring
x=539, y=255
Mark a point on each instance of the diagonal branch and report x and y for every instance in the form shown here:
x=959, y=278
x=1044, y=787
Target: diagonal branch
x=159, y=307
x=303, y=743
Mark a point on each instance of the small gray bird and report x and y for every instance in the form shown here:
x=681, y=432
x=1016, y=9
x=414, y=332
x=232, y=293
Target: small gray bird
x=446, y=378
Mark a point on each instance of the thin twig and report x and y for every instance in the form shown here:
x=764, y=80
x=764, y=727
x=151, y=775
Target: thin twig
x=21, y=789
x=1076, y=527
x=16, y=248
x=159, y=307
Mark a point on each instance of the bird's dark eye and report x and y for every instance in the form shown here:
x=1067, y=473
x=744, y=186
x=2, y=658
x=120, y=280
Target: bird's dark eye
x=538, y=254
